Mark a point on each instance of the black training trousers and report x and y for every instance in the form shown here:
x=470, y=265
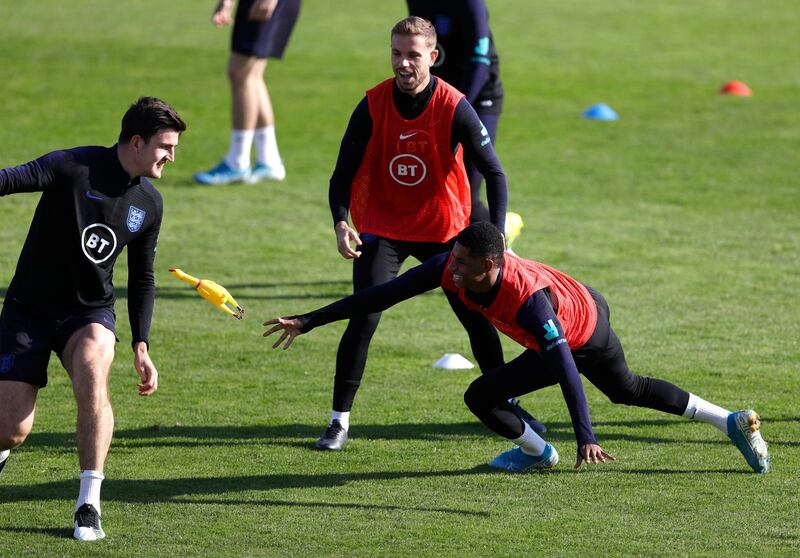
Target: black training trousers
x=601, y=360
x=380, y=261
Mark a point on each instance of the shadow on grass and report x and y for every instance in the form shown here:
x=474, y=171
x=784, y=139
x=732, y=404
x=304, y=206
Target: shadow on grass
x=304, y=435
x=53, y=532
x=186, y=490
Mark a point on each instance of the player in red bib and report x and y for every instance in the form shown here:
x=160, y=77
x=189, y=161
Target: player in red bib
x=400, y=176
x=565, y=328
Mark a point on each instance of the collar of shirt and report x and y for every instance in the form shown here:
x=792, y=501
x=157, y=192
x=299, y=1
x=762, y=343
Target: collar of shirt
x=116, y=173
x=409, y=106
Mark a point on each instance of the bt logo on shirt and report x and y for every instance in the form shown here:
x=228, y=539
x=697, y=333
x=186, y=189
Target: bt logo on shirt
x=98, y=242
x=408, y=168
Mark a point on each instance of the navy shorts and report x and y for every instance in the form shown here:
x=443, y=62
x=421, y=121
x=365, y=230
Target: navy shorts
x=27, y=337
x=264, y=39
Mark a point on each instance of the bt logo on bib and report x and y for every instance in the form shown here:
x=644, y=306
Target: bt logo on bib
x=98, y=242
x=407, y=169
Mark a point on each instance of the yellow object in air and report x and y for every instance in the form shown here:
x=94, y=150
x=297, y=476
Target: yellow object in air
x=212, y=292
x=514, y=226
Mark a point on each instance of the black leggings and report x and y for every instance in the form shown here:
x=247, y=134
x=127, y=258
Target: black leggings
x=380, y=262
x=601, y=360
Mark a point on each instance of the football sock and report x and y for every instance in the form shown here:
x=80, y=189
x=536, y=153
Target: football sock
x=90, y=489
x=266, y=145
x=343, y=417
x=530, y=442
x=702, y=410
x=239, y=155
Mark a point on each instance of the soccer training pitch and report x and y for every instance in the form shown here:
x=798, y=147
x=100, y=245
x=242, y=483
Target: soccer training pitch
x=684, y=213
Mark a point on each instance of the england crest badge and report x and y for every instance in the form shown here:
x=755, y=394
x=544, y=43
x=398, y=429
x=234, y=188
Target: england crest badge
x=135, y=218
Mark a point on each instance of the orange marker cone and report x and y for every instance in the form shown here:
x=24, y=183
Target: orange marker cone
x=735, y=88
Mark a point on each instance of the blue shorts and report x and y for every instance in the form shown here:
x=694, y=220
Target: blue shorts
x=27, y=337
x=264, y=39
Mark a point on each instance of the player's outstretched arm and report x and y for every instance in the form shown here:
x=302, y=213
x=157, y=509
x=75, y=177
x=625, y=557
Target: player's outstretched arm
x=346, y=236
x=592, y=453
x=145, y=368
x=289, y=328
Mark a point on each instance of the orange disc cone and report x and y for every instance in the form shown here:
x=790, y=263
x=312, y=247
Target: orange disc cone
x=736, y=88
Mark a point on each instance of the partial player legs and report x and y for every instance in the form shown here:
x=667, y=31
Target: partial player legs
x=246, y=76
x=380, y=262
x=487, y=397
x=252, y=122
x=602, y=361
x=17, y=409
x=87, y=357
x=483, y=337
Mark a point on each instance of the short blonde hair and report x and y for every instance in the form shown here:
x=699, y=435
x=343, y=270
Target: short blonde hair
x=413, y=25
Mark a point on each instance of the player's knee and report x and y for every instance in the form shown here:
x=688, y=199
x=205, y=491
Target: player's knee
x=623, y=395
x=12, y=435
x=473, y=398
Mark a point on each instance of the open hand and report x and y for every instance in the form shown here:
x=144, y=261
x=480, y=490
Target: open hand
x=290, y=329
x=592, y=453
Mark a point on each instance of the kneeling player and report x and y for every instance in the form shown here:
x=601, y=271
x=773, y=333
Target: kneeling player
x=564, y=326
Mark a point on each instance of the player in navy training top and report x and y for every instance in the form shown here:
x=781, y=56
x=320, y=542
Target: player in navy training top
x=468, y=61
x=94, y=202
x=566, y=329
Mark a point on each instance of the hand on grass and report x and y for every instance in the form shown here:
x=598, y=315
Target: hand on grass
x=592, y=453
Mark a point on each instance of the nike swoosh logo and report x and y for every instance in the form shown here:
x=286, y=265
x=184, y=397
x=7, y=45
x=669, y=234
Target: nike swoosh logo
x=89, y=196
x=406, y=136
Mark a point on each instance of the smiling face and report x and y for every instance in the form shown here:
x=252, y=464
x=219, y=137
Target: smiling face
x=150, y=156
x=471, y=272
x=412, y=58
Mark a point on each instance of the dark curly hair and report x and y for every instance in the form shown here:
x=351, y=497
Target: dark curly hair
x=483, y=240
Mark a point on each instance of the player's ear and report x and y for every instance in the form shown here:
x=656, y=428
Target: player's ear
x=137, y=142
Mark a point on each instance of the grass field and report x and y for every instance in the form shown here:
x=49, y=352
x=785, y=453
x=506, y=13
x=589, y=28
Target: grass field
x=685, y=213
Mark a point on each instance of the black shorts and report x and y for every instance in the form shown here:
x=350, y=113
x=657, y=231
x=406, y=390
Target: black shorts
x=27, y=337
x=264, y=39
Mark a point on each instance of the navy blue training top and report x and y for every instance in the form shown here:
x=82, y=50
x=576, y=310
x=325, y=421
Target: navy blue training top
x=467, y=56
x=88, y=211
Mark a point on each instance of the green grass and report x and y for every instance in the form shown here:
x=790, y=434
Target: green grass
x=685, y=213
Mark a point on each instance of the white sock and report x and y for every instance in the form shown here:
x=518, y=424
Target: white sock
x=343, y=417
x=90, y=489
x=702, y=410
x=4, y=455
x=530, y=442
x=266, y=145
x=239, y=154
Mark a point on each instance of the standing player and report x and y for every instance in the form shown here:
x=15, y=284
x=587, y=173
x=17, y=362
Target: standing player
x=564, y=326
x=261, y=30
x=468, y=61
x=400, y=174
x=94, y=202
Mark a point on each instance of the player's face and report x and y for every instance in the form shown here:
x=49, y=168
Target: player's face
x=469, y=272
x=153, y=154
x=412, y=58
